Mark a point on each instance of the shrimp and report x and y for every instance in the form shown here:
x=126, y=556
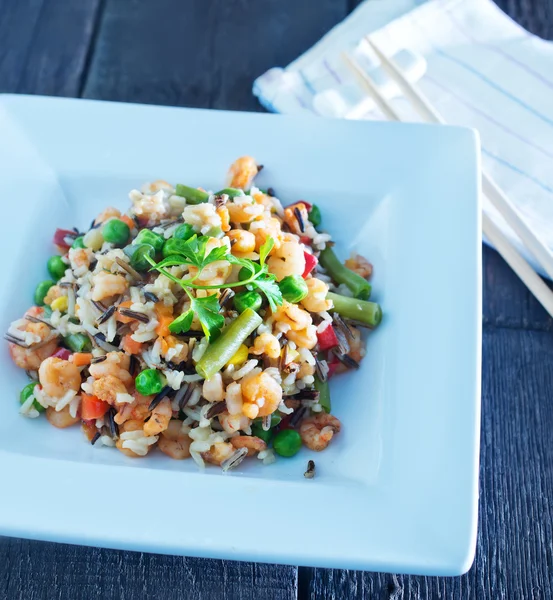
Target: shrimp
x=251, y=442
x=263, y=392
x=116, y=364
x=109, y=213
x=134, y=411
x=80, y=258
x=304, y=338
x=156, y=186
x=360, y=265
x=233, y=423
x=174, y=442
x=241, y=241
x=266, y=228
x=218, y=453
x=244, y=211
x=134, y=425
x=38, y=334
x=107, y=285
x=159, y=421
x=316, y=432
x=288, y=259
x=316, y=301
x=223, y=213
x=58, y=376
x=106, y=388
x=151, y=207
x=61, y=419
x=242, y=173
x=292, y=317
x=291, y=218
x=213, y=390
x=266, y=343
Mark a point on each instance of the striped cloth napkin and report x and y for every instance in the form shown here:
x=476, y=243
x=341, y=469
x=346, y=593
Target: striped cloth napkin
x=474, y=64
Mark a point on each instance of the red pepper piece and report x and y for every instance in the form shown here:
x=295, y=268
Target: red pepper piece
x=62, y=353
x=327, y=337
x=310, y=263
x=61, y=234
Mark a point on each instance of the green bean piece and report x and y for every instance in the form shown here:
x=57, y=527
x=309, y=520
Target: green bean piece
x=41, y=290
x=324, y=393
x=184, y=232
x=226, y=345
x=56, y=267
x=78, y=342
x=145, y=236
x=116, y=232
x=360, y=287
x=137, y=254
x=244, y=300
x=26, y=392
x=315, y=215
x=148, y=382
x=192, y=195
x=79, y=242
x=293, y=288
x=231, y=192
x=287, y=443
x=369, y=313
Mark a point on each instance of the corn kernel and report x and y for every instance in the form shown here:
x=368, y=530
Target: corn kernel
x=292, y=355
x=240, y=357
x=59, y=304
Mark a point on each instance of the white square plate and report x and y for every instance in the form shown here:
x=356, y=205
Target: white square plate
x=397, y=489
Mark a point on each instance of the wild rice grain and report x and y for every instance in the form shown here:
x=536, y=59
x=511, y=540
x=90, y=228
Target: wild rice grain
x=234, y=459
x=157, y=399
x=310, y=473
x=95, y=438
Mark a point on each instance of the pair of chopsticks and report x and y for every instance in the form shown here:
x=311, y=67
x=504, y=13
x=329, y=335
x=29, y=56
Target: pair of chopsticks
x=489, y=188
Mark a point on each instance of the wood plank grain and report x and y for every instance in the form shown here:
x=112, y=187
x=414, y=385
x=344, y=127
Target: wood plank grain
x=203, y=54
x=44, y=45
x=515, y=534
x=33, y=570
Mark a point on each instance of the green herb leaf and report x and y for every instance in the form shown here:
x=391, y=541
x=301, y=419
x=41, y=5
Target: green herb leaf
x=265, y=249
x=207, y=311
x=267, y=284
x=182, y=323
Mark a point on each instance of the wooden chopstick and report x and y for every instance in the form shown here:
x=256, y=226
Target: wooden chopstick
x=513, y=258
x=491, y=190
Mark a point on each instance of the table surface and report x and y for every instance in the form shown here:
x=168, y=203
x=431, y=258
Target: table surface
x=206, y=54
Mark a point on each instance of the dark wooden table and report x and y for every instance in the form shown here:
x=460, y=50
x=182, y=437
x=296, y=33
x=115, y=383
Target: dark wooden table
x=206, y=53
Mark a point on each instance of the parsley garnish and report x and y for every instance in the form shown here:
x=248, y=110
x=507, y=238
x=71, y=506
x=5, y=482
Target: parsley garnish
x=194, y=253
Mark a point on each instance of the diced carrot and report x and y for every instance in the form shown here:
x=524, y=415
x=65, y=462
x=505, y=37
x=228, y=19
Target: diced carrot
x=128, y=221
x=92, y=407
x=131, y=346
x=164, y=345
x=163, y=310
x=80, y=359
x=121, y=318
x=163, y=327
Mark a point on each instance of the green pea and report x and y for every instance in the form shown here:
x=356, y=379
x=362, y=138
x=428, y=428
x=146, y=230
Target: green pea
x=184, y=232
x=244, y=300
x=79, y=242
x=293, y=288
x=56, y=267
x=145, y=236
x=149, y=382
x=26, y=392
x=137, y=254
x=78, y=342
x=315, y=215
x=41, y=291
x=116, y=232
x=173, y=246
x=259, y=432
x=287, y=442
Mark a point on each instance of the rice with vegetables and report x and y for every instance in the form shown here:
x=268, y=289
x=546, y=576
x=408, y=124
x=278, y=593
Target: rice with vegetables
x=203, y=324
